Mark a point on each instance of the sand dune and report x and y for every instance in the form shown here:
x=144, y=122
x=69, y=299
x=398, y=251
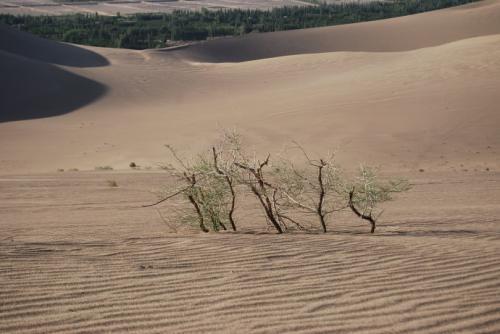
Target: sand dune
x=102, y=265
x=416, y=95
x=33, y=87
x=46, y=89
x=400, y=34
x=432, y=107
x=32, y=47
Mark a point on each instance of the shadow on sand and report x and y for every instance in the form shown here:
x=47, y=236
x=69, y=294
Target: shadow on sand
x=30, y=90
x=393, y=35
x=31, y=86
x=29, y=46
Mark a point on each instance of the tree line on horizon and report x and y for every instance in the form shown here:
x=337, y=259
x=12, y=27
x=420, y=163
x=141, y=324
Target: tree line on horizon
x=156, y=30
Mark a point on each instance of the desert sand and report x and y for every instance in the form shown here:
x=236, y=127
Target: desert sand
x=417, y=96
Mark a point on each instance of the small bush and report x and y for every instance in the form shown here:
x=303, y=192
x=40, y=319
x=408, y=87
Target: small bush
x=103, y=168
x=204, y=183
x=112, y=183
x=366, y=192
x=209, y=183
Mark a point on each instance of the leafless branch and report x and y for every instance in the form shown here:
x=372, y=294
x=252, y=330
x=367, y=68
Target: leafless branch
x=359, y=214
x=168, y=197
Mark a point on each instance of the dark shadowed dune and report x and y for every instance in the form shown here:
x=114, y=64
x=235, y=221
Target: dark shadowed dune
x=400, y=34
x=33, y=86
x=32, y=89
x=30, y=46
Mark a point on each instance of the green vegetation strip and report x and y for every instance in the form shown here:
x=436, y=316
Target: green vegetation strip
x=142, y=31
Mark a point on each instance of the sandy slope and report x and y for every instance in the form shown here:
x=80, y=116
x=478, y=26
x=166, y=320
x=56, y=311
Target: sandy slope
x=400, y=34
x=426, y=99
x=92, y=262
x=419, y=92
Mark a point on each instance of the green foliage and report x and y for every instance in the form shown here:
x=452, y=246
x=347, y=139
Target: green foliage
x=206, y=189
x=284, y=190
x=75, y=35
x=212, y=193
x=141, y=31
x=368, y=191
x=315, y=189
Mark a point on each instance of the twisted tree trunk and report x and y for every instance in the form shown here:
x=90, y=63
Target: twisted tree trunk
x=360, y=214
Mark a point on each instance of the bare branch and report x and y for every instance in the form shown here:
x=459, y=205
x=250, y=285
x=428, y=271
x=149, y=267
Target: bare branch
x=229, y=182
x=265, y=162
x=294, y=201
x=258, y=188
x=293, y=222
x=168, y=197
x=176, y=157
x=359, y=214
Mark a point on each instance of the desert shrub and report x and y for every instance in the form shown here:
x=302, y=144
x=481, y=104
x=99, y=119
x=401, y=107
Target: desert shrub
x=211, y=193
x=317, y=188
x=366, y=192
x=258, y=176
x=284, y=190
x=112, y=183
x=224, y=158
x=253, y=176
x=99, y=168
x=206, y=184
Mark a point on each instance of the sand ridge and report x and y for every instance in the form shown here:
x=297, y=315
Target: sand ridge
x=92, y=261
x=317, y=85
x=392, y=35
